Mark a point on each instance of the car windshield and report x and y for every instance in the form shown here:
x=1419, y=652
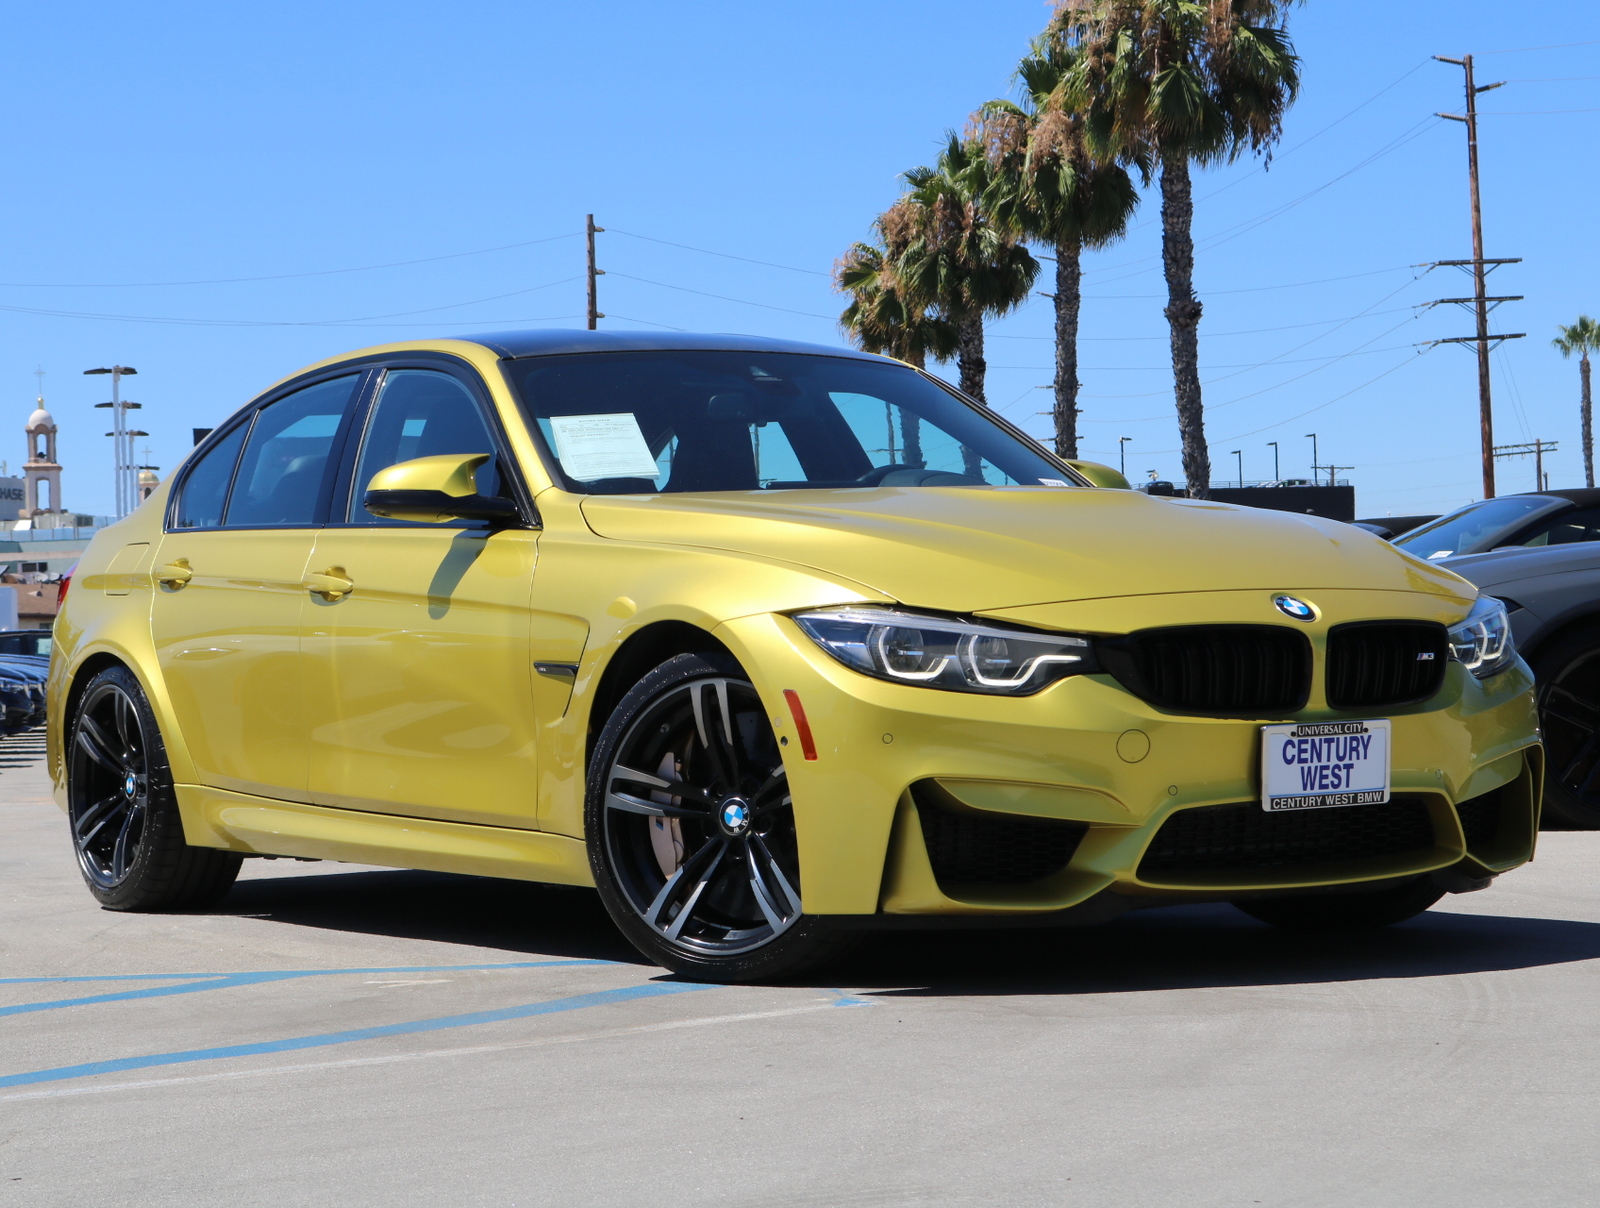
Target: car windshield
x=1473, y=528
x=635, y=422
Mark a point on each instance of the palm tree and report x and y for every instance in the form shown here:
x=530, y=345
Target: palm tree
x=951, y=258
x=1583, y=337
x=1048, y=186
x=880, y=319
x=1180, y=81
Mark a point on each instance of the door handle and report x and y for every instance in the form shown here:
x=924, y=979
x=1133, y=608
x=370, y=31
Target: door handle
x=174, y=574
x=331, y=584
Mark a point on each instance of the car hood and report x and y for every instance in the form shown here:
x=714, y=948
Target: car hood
x=1508, y=566
x=967, y=550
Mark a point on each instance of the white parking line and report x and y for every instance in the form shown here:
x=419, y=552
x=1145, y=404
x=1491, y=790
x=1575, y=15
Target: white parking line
x=699, y=1022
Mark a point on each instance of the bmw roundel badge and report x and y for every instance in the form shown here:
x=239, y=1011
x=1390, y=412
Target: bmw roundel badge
x=1291, y=607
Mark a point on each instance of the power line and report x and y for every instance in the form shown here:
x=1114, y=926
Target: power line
x=1233, y=232
x=725, y=255
x=1262, y=167
x=1212, y=293
x=724, y=298
x=1517, y=50
x=326, y=272
x=1358, y=350
x=646, y=322
x=1217, y=335
x=1337, y=356
x=172, y=320
x=1310, y=411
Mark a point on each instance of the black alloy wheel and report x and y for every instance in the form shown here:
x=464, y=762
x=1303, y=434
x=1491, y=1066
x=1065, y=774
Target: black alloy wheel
x=1568, y=675
x=122, y=810
x=692, y=832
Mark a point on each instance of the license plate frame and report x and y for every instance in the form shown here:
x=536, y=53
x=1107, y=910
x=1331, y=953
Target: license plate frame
x=1325, y=765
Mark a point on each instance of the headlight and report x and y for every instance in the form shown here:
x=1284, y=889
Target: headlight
x=943, y=652
x=1482, y=643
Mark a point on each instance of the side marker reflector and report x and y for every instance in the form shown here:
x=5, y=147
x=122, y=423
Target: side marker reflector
x=808, y=746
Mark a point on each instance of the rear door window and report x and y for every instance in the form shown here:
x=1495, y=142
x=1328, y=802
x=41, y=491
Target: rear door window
x=205, y=486
x=285, y=461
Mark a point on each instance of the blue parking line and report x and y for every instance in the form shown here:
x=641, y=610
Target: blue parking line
x=223, y=981
x=577, y=1002
x=114, y=977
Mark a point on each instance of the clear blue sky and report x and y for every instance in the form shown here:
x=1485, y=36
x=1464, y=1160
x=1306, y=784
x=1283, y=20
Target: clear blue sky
x=195, y=142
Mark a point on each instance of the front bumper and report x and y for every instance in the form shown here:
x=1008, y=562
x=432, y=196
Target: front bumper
x=1085, y=751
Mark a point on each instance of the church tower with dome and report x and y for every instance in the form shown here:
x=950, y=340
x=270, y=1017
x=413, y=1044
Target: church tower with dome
x=41, y=470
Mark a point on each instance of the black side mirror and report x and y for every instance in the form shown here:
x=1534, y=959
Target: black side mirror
x=435, y=507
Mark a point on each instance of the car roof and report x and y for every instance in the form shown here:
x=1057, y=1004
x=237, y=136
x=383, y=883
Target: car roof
x=553, y=342
x=1585, y=496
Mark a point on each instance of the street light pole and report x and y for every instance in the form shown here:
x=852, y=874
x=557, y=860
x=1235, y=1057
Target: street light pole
x=127, y=485
x=1239, y=453
x=1122, y=454
x=1275, y=475
x=1316, y=462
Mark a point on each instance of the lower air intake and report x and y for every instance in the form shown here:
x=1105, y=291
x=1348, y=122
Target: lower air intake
x=1245, y=838
x=974, y=847
x=1480, y=819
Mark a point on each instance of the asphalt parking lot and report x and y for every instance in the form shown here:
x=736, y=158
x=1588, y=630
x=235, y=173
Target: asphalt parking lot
x=335, y=1034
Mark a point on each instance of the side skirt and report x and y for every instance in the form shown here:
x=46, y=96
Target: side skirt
x=262, y=826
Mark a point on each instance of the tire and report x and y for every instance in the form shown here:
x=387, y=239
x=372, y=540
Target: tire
x=703, y=880
x=1345, y=911
x=1568, y=676
x=122, y=809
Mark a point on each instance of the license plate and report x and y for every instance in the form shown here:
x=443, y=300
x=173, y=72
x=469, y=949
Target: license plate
x=1321, y=764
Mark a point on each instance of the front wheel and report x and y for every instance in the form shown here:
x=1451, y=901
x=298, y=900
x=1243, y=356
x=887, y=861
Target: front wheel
x=691, y=828
x=1345, y=911
x=1568, y=676
x=122, y=809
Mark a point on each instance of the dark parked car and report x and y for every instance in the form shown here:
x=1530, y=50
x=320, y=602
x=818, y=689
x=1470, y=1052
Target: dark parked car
x=1553, y=594
x=1544, y=518
x=1390, y=527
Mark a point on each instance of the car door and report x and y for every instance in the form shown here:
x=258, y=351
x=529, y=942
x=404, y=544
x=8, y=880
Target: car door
x=231, y=586
x=419, y=677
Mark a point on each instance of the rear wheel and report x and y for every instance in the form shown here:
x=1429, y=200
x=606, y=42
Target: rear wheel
x=691, y=828
x=124, y=815
x=1568, y=675
x=1345, y=911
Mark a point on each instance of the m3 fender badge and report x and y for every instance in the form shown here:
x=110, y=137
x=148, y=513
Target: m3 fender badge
x=1298, y=609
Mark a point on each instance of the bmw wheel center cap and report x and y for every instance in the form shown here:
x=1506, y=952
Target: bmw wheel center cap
x=130, y=785
x=1298, y=609
x=734, y=816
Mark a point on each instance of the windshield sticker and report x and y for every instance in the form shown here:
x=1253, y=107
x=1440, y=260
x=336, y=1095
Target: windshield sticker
x=602, y=446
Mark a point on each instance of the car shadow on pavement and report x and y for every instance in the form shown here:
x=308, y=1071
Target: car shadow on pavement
x=1182, y=947
x=1195, y=947
x=481, y=912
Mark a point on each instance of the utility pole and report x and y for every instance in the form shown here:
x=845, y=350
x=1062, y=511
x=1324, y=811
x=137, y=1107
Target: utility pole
x=1481, y=268
x=1333, y=473
x=1275, y=475
x=590, y=231
x=127, y=480
x=1536, y=447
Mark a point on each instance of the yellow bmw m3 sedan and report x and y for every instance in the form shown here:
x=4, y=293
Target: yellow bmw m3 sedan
x=772, y=644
